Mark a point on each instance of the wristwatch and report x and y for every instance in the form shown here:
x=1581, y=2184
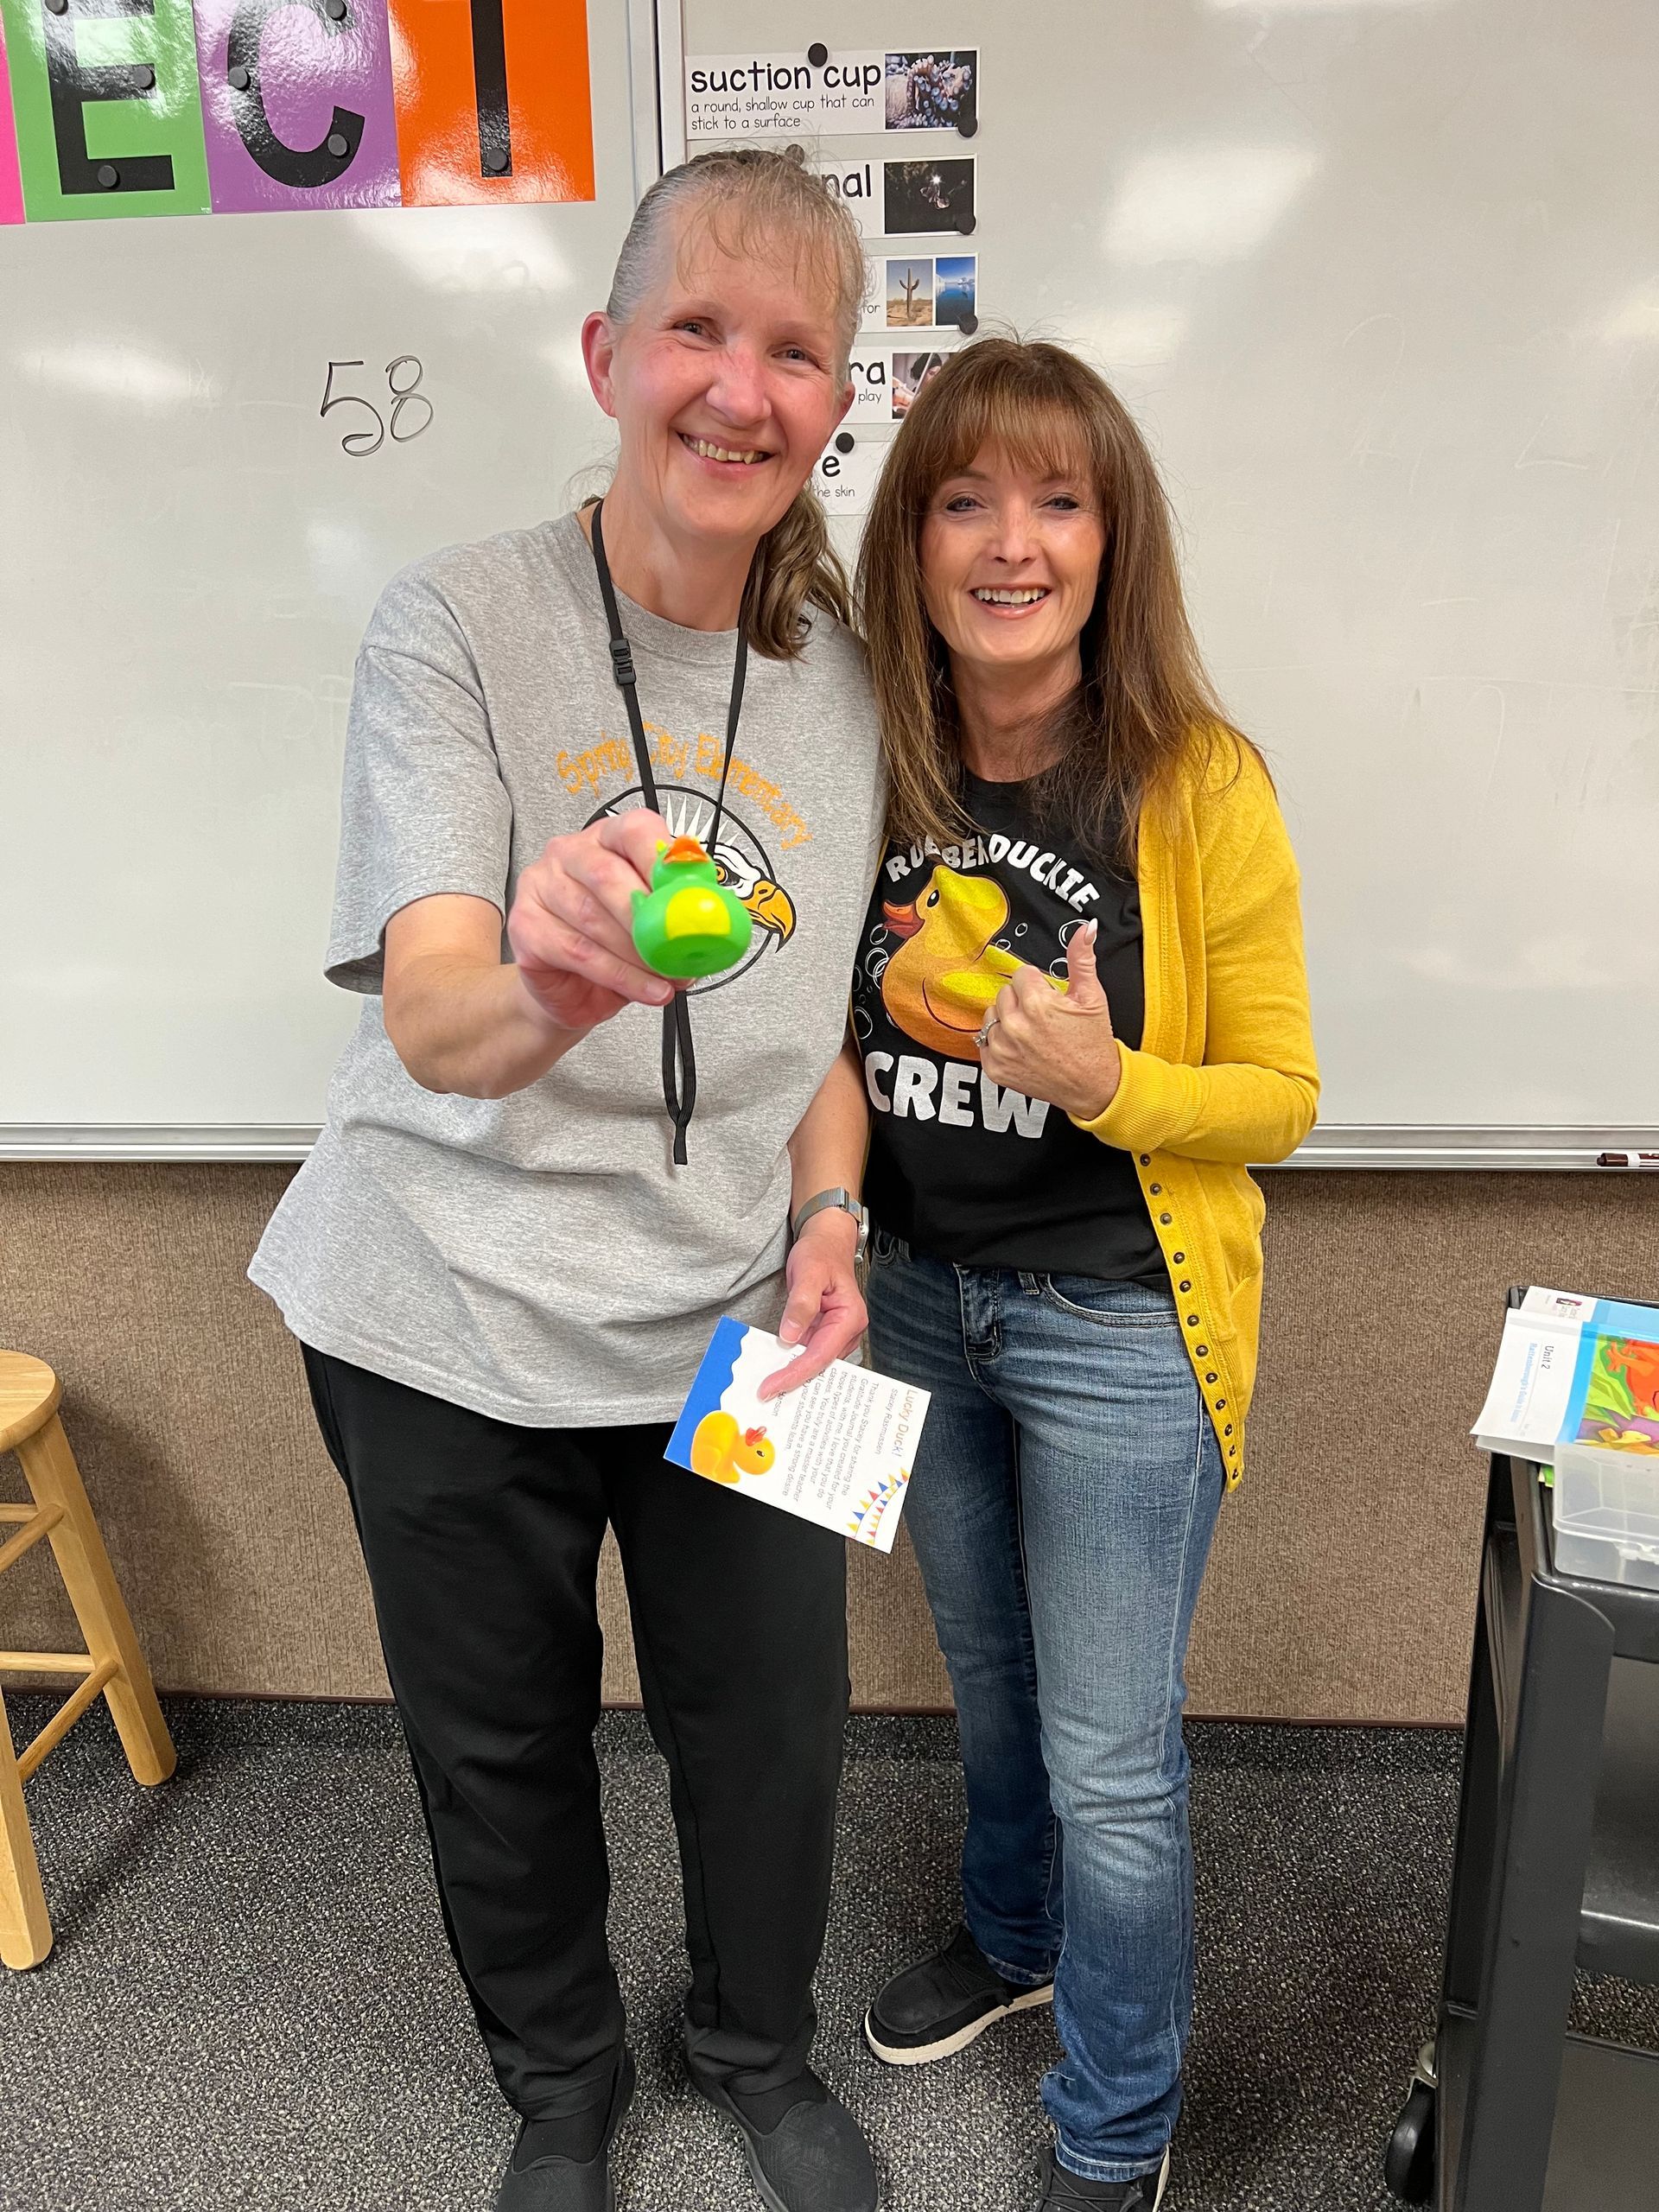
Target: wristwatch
x=846, y=1203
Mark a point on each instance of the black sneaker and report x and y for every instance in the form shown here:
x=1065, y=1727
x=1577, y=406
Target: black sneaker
x=1068, y=2192
x=554, y=2183
x=939, y=2006
x=804, y=2148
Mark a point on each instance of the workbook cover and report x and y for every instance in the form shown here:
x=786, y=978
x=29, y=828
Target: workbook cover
x=1572, y=1370
x=837, y=1452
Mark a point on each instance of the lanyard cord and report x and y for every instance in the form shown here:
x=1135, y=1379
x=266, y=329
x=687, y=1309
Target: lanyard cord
x=679, y=1057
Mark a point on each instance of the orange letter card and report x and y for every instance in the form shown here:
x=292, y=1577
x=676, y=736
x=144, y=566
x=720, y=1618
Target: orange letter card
x=493, y=100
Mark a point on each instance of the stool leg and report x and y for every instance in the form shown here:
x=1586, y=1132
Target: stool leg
x=50, y=1468
x=25, y=1928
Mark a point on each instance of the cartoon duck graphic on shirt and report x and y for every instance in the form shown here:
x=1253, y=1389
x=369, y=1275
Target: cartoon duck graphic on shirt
x=945, y=978
x=725, y=1452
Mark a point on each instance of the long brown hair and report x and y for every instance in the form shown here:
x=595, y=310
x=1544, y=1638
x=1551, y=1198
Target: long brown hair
x=758, y=200
x=1145, y=705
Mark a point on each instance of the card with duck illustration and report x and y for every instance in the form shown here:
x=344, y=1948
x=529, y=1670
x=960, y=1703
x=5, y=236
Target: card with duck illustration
x=837, y=1452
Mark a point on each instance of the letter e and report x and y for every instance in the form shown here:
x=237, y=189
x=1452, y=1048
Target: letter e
x=60, y=178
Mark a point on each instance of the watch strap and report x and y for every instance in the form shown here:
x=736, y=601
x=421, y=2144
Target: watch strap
x=844, y=1201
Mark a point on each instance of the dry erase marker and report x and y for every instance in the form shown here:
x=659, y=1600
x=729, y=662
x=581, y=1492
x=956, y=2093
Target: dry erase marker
x=1627, y=1159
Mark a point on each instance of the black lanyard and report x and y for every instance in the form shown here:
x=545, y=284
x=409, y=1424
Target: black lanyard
x=679, y=1059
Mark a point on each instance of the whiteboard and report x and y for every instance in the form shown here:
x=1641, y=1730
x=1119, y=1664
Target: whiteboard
x=1381, y=280
x=188, y=560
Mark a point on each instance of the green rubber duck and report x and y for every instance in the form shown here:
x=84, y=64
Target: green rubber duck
x=686, y=925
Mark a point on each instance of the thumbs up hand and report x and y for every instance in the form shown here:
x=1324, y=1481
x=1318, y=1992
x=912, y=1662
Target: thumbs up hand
x=1084, y=993
x=1055, y=1044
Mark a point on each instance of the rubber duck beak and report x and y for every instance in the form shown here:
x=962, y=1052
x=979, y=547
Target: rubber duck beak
x=903, y=921
x=684, y=848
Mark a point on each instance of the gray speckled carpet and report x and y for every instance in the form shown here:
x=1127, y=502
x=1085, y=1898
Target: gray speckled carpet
x=251, y=2003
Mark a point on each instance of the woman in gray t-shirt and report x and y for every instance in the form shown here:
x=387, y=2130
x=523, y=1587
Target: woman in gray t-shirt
x=504, y=1258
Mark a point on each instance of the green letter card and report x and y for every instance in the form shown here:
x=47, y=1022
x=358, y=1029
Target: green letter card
x=108, y=108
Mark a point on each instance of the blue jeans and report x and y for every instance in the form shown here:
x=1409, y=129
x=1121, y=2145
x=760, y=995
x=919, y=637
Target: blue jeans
x=1061, y=1504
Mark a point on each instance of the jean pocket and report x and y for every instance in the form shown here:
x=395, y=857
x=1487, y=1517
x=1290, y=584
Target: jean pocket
x=1109, y=1305
x=885, y=1247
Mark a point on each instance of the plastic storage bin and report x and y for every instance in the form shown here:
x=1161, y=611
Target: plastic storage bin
x=1606, y=1507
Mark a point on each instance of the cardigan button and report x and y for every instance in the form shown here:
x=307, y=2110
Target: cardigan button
x=1146, y=1160
x=1227, y=1430
x=1179, y=1257
x=1166, y=1218
x=1193, y=1323
x=1187, y=1286
x=1212, y=1377
x=1201, y=1349
x=1157, y=1190
x=1221, y=1405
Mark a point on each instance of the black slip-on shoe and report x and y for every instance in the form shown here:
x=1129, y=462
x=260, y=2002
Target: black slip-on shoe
x=1070, y=2192
x=560, y=2184
x=814, y=2158
x=940, y=2005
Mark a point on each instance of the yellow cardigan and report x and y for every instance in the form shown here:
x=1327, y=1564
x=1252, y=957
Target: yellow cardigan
x=1225, y=1073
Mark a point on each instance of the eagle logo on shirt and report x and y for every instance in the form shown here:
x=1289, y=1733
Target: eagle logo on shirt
x=740, y=859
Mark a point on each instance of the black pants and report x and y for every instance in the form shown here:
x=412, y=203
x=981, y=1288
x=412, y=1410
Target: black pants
x=482, y=1544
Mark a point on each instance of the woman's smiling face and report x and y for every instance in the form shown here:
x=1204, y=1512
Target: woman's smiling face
x=726, y=385
x=1011, y=561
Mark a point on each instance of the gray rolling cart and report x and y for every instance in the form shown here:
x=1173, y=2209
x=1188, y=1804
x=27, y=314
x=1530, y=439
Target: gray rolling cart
x=1557, y=1867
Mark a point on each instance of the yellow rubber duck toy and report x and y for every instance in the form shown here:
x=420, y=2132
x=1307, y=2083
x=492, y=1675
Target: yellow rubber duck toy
x=725, y=1452
x=943, y=981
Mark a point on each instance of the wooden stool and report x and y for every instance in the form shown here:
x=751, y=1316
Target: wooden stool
x=112, y=1666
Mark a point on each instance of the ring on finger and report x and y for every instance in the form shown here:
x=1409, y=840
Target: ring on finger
x=983, y=1036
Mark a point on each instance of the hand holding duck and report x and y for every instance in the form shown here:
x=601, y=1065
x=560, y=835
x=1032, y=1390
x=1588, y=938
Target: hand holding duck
x=1059, y=1045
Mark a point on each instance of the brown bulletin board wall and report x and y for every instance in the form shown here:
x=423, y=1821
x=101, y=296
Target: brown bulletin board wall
x=1343, y=1581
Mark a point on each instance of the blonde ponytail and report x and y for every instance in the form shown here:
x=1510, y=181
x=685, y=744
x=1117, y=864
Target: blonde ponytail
x=796, y=568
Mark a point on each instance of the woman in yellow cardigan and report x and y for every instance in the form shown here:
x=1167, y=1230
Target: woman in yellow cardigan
x=1082, y=1009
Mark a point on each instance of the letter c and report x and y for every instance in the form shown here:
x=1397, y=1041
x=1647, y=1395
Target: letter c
x=875, y=1063
x=300, y=171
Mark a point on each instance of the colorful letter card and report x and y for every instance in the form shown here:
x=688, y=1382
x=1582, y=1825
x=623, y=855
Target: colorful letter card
x=11, y=183
x=493, y=100
x=296, y=103
x=837, y=1452
x=107, y=109
x=151, y=107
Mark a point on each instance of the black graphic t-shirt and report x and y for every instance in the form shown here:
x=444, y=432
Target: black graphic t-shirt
x=960, y=1168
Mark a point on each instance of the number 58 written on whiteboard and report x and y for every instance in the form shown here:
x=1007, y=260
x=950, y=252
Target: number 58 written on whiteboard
x=410, y=413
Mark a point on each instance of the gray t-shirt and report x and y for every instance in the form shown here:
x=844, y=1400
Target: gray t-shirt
x=539, y=1258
